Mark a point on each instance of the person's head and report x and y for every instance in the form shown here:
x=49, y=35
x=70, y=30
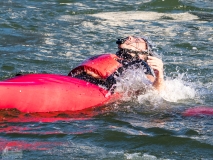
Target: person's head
x=134, y=47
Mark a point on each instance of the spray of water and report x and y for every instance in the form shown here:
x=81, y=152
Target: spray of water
x=134, y=85
x=178, y=89
x=132, y=82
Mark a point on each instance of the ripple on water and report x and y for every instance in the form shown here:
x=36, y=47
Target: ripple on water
x=55, y=36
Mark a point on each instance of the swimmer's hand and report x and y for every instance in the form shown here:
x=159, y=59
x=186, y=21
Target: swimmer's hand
x=157, y=65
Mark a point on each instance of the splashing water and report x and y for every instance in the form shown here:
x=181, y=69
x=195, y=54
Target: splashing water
x=178, y=89
x=132, y=82
x=134, y=85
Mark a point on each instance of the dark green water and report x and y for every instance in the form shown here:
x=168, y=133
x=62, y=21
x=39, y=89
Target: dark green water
x=56, y=35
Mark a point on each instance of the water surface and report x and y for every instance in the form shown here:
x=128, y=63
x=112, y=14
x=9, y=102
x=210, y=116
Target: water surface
x=56, y=35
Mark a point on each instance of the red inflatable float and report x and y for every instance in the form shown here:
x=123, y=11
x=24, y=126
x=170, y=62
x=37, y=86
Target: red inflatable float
x=199, y=111
x=51, y=92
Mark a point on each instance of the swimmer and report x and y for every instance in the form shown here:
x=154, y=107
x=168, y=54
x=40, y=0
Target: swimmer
x=132, y=50
x=135, y=49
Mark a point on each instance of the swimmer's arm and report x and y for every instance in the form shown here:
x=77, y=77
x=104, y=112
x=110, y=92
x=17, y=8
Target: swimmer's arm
x=157, y=65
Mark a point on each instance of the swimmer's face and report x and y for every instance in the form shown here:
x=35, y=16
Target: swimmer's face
x=134, y=43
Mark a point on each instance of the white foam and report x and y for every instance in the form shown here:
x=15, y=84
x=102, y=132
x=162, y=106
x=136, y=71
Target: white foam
x=134, y=85
x=177, y=89
x=136, y=17
x=138, y=22
x=135, y=156
x=122, y=18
